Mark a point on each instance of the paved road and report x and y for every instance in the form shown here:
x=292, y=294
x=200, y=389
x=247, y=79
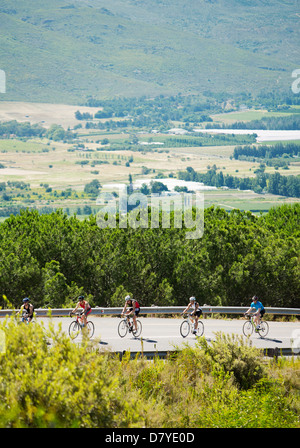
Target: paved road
x=161, y=334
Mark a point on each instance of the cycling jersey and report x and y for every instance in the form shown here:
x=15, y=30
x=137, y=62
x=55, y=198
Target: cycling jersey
x=196, y=310
x=257, y=305
x=88, y=309
x=136, y=304
x=28, y=310
x=194, y=305
x=84, y=304
x=137, y=307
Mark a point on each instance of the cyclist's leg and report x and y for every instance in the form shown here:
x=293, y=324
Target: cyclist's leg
x=260, y=316
x=196, y=323
x=127, y=316
x=135, y=314
x=81, y=319
x=24, y=317
x=197, y=315
x=85, y=314
x=258, y=319
x=134, y=321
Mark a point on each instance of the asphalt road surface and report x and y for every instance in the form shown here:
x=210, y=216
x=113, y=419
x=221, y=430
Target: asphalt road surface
x=162, y=334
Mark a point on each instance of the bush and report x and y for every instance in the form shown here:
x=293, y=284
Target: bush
x=48, y=381
x=234, y=355
x=57, y=385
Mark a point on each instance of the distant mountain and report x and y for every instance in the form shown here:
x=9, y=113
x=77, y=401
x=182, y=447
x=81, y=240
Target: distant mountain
x=67, y=51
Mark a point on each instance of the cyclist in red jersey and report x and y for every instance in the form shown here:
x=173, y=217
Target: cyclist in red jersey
x=133, y=309
x=87, y=309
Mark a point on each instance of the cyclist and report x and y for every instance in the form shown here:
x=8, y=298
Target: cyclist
x=260, y=311
x=133, y=309
x=26, y=310
x=87, y=309
x=196, y=313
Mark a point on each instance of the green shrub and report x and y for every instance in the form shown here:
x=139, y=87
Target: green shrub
x=57, y=385
x=234, y=355
x=46, y=380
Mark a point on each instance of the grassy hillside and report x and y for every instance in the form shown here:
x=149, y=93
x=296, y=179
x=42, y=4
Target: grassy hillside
x=66, y=51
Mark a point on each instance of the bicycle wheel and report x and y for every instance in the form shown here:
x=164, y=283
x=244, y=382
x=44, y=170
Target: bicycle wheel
x=122, y=328
x=264, y=329
x=74, y=329
x=91, y=329
x=185, y=328
x=138, y=330
x=247, y=328
x=200, y=328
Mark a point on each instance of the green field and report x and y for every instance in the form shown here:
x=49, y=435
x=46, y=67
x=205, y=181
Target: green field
x=56, y=172
x=249, y=115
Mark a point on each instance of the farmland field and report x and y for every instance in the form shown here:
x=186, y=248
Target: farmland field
x=50, y=168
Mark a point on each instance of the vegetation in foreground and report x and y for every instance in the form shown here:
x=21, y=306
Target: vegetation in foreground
x=47, y=381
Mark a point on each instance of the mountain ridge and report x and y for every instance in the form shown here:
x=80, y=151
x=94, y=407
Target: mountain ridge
x=72, y=50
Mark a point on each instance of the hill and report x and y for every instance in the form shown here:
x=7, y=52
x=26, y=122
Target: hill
x=70, y=50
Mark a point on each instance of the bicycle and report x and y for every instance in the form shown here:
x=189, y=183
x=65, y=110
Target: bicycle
x=24, y=319
x=188, y=326
x=126, y=325
x=250, y=326
x=76, y=326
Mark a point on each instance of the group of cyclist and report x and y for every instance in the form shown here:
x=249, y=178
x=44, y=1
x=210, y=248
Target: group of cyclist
x=255, y=304
x=132, y=308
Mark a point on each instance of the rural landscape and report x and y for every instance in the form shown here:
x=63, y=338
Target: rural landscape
x=156, y=98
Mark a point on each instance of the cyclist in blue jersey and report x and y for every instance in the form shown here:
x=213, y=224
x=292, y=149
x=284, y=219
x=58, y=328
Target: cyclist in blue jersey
x=260, y=311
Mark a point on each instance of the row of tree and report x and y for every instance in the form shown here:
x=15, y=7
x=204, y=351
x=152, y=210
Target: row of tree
x=192, y=107
x=287, y=122
x=54, y=258
x=27, y=130
x=262, y=182
x=265, y=151
x=15, y=128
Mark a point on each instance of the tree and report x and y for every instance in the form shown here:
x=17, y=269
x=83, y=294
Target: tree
x=92, y=188
x=158, y=187
x=54, y=284
x=55, y=132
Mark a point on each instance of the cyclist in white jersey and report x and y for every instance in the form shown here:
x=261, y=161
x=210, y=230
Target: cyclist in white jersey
x=196, y=313
x=131, y=308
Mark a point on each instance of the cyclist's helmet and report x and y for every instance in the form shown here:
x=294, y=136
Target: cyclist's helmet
x=26, y=300
x=127, y=298
x=81, y=298
x=192, y=299
x=254, y=298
